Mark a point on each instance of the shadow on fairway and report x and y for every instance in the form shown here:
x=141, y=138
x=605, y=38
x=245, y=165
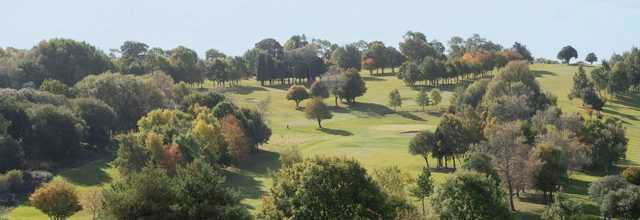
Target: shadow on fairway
x=372, y=78
x=244, y=179
x=244, y=90
x=370, y=109
x=540, y=73
x=91, y=174
x=335, y=132
x=411, y=116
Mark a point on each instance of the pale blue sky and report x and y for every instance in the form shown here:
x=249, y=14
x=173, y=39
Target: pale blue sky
x=545, y=26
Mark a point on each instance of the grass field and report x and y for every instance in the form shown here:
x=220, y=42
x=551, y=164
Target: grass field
x=370, y=132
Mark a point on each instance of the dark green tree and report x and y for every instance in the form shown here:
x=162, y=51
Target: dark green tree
x=566, y=53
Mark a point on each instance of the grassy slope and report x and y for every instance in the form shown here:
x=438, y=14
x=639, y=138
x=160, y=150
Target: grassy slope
x=369, y=132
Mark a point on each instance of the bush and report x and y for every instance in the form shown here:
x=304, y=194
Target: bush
x=12, y=181
x=290, y=155
x=57, y=199
x=632, y=175
x=56, y=87
x=56, y=134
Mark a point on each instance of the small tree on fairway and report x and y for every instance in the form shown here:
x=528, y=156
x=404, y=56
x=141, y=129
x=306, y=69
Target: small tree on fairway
x=566, y=53
x=316, y=109
x=436, y=97
x=423, y=98
x=591, y=58
x=423, y=187
x=394, y=99
x=319, y=90
x=297, y=93
x=57, y=199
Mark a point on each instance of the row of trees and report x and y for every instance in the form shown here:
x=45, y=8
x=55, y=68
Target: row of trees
x=529, y=142
x=473, y=59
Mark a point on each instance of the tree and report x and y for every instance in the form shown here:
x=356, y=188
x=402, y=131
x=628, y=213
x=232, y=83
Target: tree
x=632, y=175
x=394, y=99
x=505, y=145
x=423, y=144
x=423, y=187
x=351, y=85
x=184, y=65
x=563, y=208
x=608, y=142
x=316, y=109
x=469, y=195
x=235, y=137
x=212, y=54
x=347, y=57
x=324, y=188
x=100, y=120
x=566, y=53
x=57, y=199
x=295, y=42
x=201, y=193
x=272, y=47
x=591, y=58
x=423, y=98
x=415, y=47
x=297, y=94
x=522, y=51
x=68, y=60
x=436, y=97
x=55, y=87
x=91, y=201
x=56, y=135
x=584, y=89
x=394, y=58
x=11, y=152
x=319, y=90
x=144, y=194
x=548, y=165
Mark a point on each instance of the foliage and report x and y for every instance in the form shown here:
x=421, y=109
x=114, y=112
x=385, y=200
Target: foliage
x=145, y=194
x=392, y=181
x=68, y=60
x=56, y=134
x=350, y=85
x=424, y=187
x=297, y=94
x=591, y=58
x=566, y=53
x=100, y=120
x=200, y=193
x=235, y=138
x=290, y=156
x=584, y=89
x=319, y=90
x=608, y=142
x=632, y=175
x=316, y=109
x=394, y=99
x=469, y=195
x=347, y=57
x=423, y=98
x=423, y=144
x=436, y=97
x=56, y=87
x=323, y=188
x=91, y=201
x=563, y=208
x=57, y=199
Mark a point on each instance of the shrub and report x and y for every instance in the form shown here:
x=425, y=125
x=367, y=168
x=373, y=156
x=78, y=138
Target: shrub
x=632, y=175
x=56, y=199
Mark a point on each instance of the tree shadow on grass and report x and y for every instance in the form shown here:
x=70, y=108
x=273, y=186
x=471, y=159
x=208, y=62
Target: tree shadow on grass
x=540, y=73
x=447, y=87
x=372, y=78
x=370, y=109
x=620, y=114
x=411, y=116
x=442, y=169
x=243, y=90
x=90, y=174
x=244, y=179
x=335, y=132
x=284, y=87
x=575, y=186
x=631, y=100
x=339, y=109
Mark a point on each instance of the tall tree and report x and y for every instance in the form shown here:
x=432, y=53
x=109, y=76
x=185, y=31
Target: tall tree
x=505, y=144
x=297, y=94
x=522, y=51
x=566, y=53
x=423, y=98
x=347, y=57
x=68, y=60
x=424, y=187
x=591, y=58
x=316, y=109
x=394, y=99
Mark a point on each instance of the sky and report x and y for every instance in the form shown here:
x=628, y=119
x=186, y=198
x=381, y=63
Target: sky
x=233, y=26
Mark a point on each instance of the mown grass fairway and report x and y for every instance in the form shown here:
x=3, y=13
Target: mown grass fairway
x=370, y=132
